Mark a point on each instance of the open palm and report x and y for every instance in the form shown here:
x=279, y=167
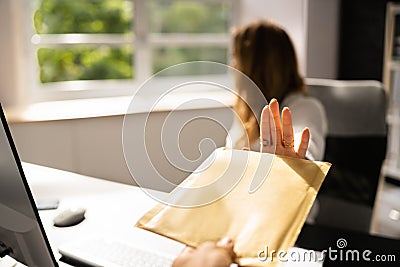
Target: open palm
x=276, y=135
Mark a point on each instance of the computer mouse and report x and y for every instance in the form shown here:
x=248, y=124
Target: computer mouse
x=69, y=217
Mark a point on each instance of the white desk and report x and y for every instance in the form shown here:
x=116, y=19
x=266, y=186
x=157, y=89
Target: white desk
x=112, y=209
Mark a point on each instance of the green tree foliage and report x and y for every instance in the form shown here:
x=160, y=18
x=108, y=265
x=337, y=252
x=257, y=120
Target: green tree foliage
x=189, y=17
x=83, y=16
x=166, y=57
x=84, y=62
x=89, y=62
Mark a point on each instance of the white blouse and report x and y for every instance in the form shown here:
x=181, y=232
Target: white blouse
x=306, y=111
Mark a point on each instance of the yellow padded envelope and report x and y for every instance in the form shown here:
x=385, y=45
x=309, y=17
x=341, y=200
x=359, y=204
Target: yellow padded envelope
x=257, y=199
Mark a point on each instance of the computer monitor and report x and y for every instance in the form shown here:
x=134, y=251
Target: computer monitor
x=22, y=235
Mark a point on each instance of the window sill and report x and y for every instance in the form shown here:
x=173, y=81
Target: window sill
x=115, y=106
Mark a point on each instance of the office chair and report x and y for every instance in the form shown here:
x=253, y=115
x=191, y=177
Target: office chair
x=356, y=147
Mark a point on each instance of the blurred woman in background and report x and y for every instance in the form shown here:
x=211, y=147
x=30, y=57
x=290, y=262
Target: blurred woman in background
x=264, y=52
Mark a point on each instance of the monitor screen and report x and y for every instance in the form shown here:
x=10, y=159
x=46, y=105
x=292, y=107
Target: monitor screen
x=21, y=230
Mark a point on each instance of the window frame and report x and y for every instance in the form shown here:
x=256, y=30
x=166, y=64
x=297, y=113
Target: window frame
x=142, y=40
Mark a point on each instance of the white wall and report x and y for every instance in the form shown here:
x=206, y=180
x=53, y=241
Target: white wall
x=93, y=146
x=313, y=26
x=290, y=14
x=11, y=54
x=323, y=38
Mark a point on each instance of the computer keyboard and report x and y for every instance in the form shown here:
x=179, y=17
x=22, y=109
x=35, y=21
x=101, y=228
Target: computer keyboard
x=112, y=253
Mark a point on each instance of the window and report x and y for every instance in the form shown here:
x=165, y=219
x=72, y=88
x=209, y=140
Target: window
x=94, y=48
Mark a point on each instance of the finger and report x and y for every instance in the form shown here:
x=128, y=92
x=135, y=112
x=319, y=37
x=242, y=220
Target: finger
x=305, y=139
x=187, y=250
x=245, y=148
x=277, y=125
x=287, y=126
x=227, y=244
x=265, y=130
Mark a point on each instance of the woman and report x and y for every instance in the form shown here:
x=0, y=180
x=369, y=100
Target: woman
x=264, y=52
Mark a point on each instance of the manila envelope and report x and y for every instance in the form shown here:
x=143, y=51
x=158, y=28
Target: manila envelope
x=259, y=200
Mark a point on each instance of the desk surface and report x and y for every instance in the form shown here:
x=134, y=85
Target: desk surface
x=112, y=209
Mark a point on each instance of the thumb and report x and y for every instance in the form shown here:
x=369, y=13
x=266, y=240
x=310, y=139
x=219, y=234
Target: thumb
x=226, y=243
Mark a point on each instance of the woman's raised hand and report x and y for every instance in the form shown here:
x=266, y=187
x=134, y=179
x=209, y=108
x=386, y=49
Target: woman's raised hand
x=276, y=135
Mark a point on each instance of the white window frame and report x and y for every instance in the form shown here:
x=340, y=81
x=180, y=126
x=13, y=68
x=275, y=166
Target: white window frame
x=143, y=43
